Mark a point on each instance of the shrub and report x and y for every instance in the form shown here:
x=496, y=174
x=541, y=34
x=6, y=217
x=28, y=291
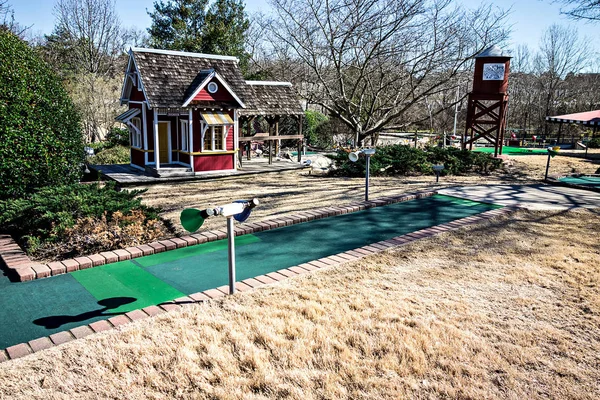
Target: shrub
x=47, y=215
x=113, y=155
x=403, y=160
x=117, y=137
x=41, y=143
x=594, y=143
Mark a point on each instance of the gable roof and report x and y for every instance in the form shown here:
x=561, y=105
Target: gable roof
x=167, y=76
x=171, y=78
x=204, y=77
x=272, y=98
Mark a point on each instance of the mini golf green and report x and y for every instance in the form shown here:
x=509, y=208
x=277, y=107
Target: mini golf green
x=512, y=151
x=30, y=310
x=587, y=181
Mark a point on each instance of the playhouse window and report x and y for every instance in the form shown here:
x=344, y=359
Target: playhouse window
x=214, y=138
x=136, y=134
x=185, y=135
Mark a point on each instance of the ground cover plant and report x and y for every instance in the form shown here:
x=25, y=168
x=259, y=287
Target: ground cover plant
x=66, y=221
x=511, y=315
x=398, y=159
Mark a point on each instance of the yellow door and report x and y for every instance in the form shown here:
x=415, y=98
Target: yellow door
x=163, y=142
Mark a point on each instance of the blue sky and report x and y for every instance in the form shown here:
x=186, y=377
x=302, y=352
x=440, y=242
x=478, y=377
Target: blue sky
x=529, y=18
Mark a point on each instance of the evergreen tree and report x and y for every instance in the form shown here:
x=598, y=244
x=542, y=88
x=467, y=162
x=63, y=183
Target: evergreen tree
x=191, y=25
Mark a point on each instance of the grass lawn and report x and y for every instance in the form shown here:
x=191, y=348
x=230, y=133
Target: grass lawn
x=512, y=151
x=505, y=309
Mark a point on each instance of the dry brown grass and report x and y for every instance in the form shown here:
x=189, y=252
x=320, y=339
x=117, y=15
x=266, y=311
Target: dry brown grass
x=505, y=310
x=290, y=192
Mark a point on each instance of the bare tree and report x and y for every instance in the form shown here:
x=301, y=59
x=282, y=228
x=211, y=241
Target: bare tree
x=94, y=29
x=561, y=52
x=371, y=62
x=582, y=9
x=7, y=20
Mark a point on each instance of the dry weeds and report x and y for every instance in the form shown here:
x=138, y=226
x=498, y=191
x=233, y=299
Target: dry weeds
x=504, y=310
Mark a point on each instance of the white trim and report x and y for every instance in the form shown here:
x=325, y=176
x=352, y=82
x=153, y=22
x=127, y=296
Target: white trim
x=136, y=131
x=191, y=129
x=184, y=53
x=140, y=82
x=203, y=128
x=181, y=135
x=235, y=139
x=122, y=99
x=145, y=130
x=217, y=171
x=169, y=147
x=156, y=149
x=213, y=75
x=269, y=83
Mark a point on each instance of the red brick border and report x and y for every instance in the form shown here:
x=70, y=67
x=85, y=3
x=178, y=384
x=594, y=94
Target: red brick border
x=24, y=349
x=22, y=268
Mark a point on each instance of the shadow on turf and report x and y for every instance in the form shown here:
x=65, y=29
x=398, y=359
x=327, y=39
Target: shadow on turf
x=111, y=303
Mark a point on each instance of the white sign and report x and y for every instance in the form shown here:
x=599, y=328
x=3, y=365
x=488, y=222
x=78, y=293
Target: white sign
x=493, y=72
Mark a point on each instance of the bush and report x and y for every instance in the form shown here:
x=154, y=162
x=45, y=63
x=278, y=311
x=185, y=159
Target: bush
x=117, y=137
x=41, y=143
x=48, y=215
x=404, y=160
x=113, y=155
x=594, y=143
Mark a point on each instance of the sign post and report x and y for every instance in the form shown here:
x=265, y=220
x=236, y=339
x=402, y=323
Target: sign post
x=354, y=158
x=192, y=220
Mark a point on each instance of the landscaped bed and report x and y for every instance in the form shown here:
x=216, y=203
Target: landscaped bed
x=512, y=314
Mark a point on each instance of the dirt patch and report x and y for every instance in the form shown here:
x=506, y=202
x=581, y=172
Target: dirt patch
x=505, y=309
x=290, y=192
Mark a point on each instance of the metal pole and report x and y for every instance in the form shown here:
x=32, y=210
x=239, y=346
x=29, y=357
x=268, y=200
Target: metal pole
x=547, y=166
x=231, y=242
x=367, y=179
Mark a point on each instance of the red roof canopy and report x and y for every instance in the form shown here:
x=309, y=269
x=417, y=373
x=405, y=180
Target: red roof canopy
x=585, y=118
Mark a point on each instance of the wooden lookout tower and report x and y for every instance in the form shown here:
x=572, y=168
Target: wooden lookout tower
x=488, y=101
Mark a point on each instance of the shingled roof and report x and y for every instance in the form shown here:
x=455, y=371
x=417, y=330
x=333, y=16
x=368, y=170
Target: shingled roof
x=272, y=98
x=169, y=77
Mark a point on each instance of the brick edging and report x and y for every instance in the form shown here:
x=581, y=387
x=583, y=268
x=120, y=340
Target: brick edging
x=24, y=269
x=36, y=345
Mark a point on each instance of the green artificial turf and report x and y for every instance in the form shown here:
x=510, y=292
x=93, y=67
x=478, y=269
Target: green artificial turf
x=512, y=151
x=590, y=181
x=125, y=279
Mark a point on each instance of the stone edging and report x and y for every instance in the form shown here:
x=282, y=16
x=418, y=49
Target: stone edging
x=36, y=345
x=22, y=268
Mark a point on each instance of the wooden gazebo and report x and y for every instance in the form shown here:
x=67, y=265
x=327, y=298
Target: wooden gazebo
x=272, y=101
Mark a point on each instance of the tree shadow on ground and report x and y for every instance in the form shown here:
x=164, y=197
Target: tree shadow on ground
x=111, y=303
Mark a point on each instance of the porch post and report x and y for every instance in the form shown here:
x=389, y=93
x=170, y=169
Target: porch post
x=236, y=143
x=300, y=141
x=145, y=130
x=278, y=144
x=156, y=149
x=191, y=137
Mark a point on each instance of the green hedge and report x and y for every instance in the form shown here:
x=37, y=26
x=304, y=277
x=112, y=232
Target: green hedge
x=405, y=160
x=41, y=143
x=46, y=214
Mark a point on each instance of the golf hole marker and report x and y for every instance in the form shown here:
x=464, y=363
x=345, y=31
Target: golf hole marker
x=438, y=170
x=192, y=219
x=354, y=158
x=552, y=151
